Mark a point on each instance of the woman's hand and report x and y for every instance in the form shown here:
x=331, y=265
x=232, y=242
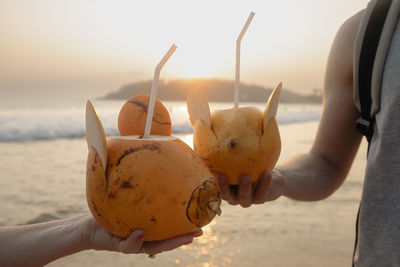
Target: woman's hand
x=39, y=244
x=96, y=237
x=270, y=186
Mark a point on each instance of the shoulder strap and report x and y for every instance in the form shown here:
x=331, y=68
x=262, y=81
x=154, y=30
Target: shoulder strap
x=364, y=76
x=366, y=64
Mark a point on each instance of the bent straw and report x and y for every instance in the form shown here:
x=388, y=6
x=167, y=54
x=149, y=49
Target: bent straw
x=154, y=87
x=237, y=76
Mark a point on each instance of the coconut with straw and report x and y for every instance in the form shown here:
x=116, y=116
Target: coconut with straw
x=146, y=179
x=241, y=140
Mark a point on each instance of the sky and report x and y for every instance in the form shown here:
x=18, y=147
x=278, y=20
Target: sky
x=97, y=46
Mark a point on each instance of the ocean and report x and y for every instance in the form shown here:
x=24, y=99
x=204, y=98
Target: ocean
x=24, y=122
x=42, y=177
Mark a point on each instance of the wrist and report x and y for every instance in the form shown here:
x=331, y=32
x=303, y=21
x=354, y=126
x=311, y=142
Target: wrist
x=278, y=178
x=83, y=228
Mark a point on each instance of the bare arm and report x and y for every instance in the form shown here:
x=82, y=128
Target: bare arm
x=39, y=244
x=318, y=173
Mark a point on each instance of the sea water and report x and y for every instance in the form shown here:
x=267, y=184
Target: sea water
x=49, y=121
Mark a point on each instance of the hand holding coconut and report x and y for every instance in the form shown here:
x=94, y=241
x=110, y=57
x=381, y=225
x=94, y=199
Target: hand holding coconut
x=147, y=179
x=245, y=176
x=269, y=187
x=96, y=237
x=236, y=141
x=41, y=243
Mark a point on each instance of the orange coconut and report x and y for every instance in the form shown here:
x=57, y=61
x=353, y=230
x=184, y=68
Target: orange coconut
x=133, y=114
x=235, y=141
x=158, y=184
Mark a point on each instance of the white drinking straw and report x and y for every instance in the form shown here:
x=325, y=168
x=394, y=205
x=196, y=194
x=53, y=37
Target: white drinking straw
x=237, y=76
x=154, y=88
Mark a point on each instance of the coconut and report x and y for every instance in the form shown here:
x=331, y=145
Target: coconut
x=235, y=141
x=158, y=184
x=133, y=114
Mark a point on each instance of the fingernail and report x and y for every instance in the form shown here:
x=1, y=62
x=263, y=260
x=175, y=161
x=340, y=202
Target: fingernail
x=141, y=236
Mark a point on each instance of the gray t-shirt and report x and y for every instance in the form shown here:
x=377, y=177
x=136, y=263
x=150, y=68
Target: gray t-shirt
x=379, y=224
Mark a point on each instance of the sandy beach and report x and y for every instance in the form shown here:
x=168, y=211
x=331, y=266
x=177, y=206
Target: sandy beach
x=282, y=233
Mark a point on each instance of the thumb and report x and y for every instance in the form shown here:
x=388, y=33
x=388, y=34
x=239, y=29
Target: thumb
x=133, y=244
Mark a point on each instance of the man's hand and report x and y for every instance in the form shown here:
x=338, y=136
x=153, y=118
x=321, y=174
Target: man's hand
x=269, y=187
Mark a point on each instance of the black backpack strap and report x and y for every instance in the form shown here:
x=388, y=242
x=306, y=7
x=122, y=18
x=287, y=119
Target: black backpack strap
x=366, y=64
x=366, y=61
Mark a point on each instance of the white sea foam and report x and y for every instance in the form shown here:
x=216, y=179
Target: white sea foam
x=18, y=125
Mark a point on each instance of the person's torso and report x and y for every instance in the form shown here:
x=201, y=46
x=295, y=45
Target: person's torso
x=379, y=236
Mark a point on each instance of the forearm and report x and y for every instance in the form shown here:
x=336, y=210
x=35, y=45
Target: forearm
x=39, y=244
x=310, y=177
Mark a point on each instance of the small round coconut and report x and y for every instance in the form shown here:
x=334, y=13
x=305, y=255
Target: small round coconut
x=133, y=115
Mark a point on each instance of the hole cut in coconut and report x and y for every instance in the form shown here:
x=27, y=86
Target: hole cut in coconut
x=95, y=135
x=204, y=203
x=151, y=137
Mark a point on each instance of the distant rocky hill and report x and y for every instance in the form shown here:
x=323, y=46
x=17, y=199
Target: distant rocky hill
x=217, y=90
